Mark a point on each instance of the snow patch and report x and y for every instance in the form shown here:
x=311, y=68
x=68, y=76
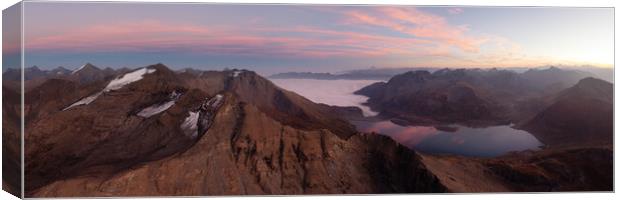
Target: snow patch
x=128, y=78
x=158, y=108
x=215, y=102
x=199, y=121
x=84, y=101
x=78, y=69
x=115, y=84
x=236, y=73
x=190, y=124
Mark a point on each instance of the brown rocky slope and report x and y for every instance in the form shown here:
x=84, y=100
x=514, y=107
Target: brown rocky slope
x=263, y=140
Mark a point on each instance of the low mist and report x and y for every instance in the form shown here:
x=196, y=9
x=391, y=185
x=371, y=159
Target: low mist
x=330, y=92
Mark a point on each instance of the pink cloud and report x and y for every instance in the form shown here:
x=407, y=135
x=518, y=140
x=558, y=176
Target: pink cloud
x=298, y=41
x=419, y=24
x=423, y=37
x=11, y=47
x=392, y=36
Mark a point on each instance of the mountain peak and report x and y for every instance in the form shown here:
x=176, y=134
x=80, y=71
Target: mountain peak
x=415, y=76
x=33, y=69
x=60, y=68
x=86, y=67
x=60, y=71
x=591, y=81
x=159, y=66
x=161, y=69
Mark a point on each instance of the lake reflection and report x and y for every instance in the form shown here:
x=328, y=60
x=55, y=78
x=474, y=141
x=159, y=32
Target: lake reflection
x=480, y=142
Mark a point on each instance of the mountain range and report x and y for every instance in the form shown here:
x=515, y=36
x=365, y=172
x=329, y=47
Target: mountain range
x=360, y=74
x=154, y=131
x=385, y=74
x=473, y=97
x=568, y=111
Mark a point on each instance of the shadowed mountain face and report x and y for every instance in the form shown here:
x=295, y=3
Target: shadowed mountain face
x=152, y=131
x=468, y=96
x=572, y=114
x=288, y=107
x=560, y=107
x=11, y=141
x=579, y=115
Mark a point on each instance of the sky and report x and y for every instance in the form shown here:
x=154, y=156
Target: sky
x=276, y=38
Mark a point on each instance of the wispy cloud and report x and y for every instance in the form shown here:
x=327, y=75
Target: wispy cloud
x=418, y=24
x=344, y=36
x=404, y=33
x=298, y=41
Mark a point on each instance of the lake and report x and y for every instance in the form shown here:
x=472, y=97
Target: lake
x=479, y=142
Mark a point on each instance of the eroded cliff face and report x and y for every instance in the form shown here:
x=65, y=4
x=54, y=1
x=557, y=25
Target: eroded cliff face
x=247, y=152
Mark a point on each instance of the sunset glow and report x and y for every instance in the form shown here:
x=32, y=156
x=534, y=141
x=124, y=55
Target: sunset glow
x=321, y=38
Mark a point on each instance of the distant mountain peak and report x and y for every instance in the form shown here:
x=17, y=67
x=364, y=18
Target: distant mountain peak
x=161, y=68
x=60, y=68
x=86, y=67
x=34, y=68
x=60, y=71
